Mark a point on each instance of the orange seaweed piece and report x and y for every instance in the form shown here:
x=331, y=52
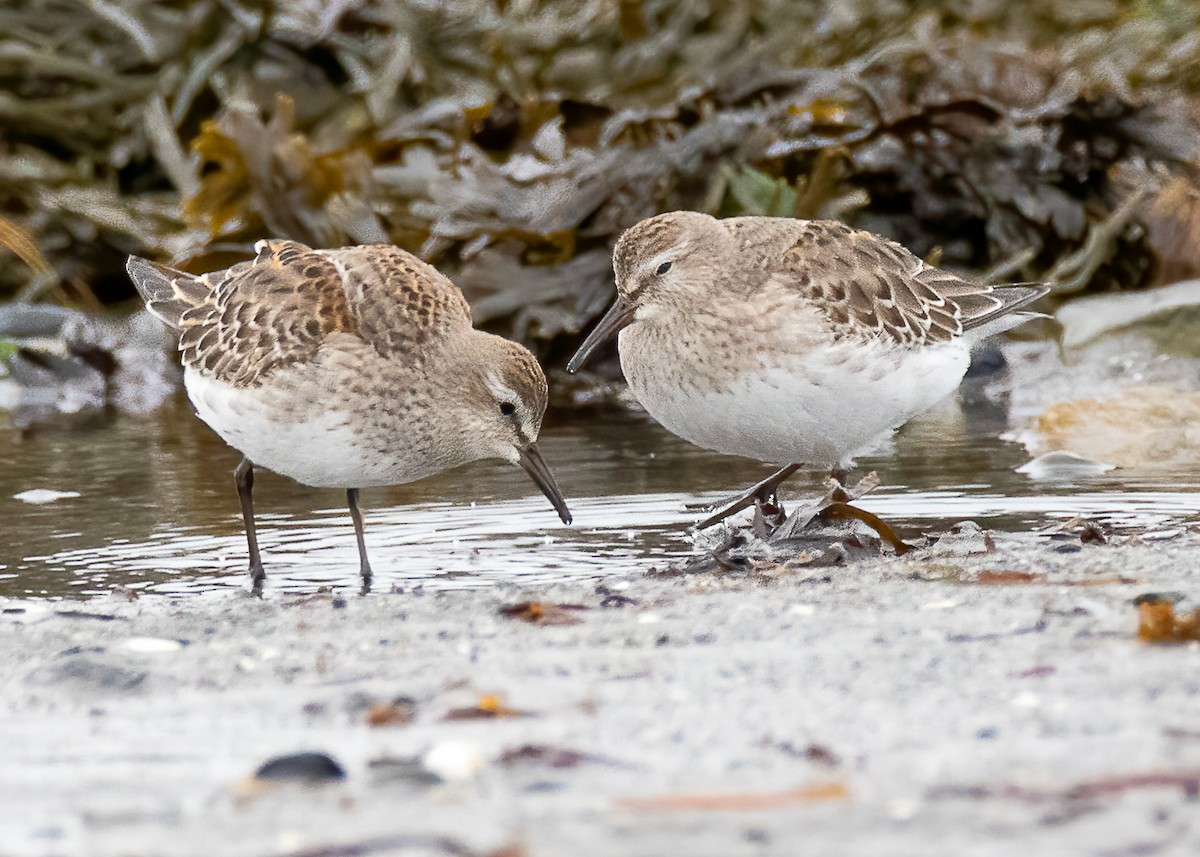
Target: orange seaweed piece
x=489, y=707
x=537, y=613
x=1159, y=623
x=399, y=712
x=822, y=111
x=737, y=801
x=225, y=185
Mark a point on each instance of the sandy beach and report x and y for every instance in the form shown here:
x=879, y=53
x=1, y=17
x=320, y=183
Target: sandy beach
x=945, y=702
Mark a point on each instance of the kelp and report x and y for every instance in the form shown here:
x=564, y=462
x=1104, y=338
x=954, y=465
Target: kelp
x=511, y=142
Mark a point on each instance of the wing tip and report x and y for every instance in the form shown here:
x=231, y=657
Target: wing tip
x=1014, y=296
x=160, y=289
x=1009, y=311
x=150, y=281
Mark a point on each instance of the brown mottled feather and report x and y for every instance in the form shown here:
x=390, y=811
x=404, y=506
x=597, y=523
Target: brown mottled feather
x=168, y=293
x=867, y=284
x=243, y=323
x=400, y=303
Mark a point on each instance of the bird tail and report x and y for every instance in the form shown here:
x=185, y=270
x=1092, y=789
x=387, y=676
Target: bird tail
x=168, y=293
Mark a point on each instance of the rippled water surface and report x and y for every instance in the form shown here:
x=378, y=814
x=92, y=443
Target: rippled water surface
x=157, y=508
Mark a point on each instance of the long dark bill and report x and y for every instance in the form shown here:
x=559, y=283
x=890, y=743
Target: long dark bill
x=536, y=467
x=618, y=316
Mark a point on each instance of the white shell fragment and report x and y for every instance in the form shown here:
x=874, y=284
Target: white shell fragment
x=150, y=645
x=454, y=761
x=1061, y=464
x=41, y=496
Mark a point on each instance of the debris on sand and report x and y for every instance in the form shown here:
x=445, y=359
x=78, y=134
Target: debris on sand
x=398, y=712
x=309, y=768
x=1188, y=782
x=489, y=707
x=734, y=801
x=539, y=613
x=1159, y=623
x=547, y=756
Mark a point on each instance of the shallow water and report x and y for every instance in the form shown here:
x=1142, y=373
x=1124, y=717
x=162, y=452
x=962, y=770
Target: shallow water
x=157, y=510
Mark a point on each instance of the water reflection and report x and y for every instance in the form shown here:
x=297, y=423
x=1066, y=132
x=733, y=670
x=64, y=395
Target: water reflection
x=157, y=509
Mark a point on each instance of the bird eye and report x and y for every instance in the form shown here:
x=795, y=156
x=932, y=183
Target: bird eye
x=508, y=408
x=663, y=268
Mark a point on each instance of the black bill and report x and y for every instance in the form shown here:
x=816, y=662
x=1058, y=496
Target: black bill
x=536, y=467
x=618, y=316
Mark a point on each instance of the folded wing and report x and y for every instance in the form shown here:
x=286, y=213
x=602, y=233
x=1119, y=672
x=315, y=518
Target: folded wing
x=869, y=286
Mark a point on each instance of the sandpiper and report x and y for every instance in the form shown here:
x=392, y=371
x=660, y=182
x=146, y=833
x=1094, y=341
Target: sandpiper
x=347, y=368
x=789, y=341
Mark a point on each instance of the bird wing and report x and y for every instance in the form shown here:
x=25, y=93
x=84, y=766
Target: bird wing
x=400, y=304
x=244, y=322
x=868, y=285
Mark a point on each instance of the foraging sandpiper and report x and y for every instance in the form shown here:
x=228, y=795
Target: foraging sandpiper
x=789, y=341
x=347, y=368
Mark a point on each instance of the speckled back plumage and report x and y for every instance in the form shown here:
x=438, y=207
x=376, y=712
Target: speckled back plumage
x=873, y=286
x=399, y=302
x=241, y=324
x=866, y=285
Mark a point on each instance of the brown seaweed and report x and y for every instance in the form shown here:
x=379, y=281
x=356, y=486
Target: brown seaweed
x=511, y=145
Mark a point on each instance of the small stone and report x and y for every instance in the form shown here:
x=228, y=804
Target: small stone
x=88, y=674
x=306, y=768
x=965, y=538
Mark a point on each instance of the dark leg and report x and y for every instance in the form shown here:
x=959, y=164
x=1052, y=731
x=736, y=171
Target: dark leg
x=364, y=566
x=243, y=477
x=761, y=494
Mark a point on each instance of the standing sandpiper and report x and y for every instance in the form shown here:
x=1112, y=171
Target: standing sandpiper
x=789, y=341
x=347, y=368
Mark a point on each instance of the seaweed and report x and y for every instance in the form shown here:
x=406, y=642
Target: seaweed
x=540, y=613
x=1159, y=623
x=510, y=144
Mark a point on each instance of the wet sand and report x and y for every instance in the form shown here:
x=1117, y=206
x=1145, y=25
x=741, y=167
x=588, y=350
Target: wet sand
x=983, y=704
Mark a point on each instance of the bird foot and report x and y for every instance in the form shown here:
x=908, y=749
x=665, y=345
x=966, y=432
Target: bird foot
x=768, y=517
x=258, y=576
x=762, y=496
x=836, y=504
x=770, y=521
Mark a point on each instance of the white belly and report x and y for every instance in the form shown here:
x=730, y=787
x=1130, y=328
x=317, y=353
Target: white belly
x=821, y=409
x=277, y=427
